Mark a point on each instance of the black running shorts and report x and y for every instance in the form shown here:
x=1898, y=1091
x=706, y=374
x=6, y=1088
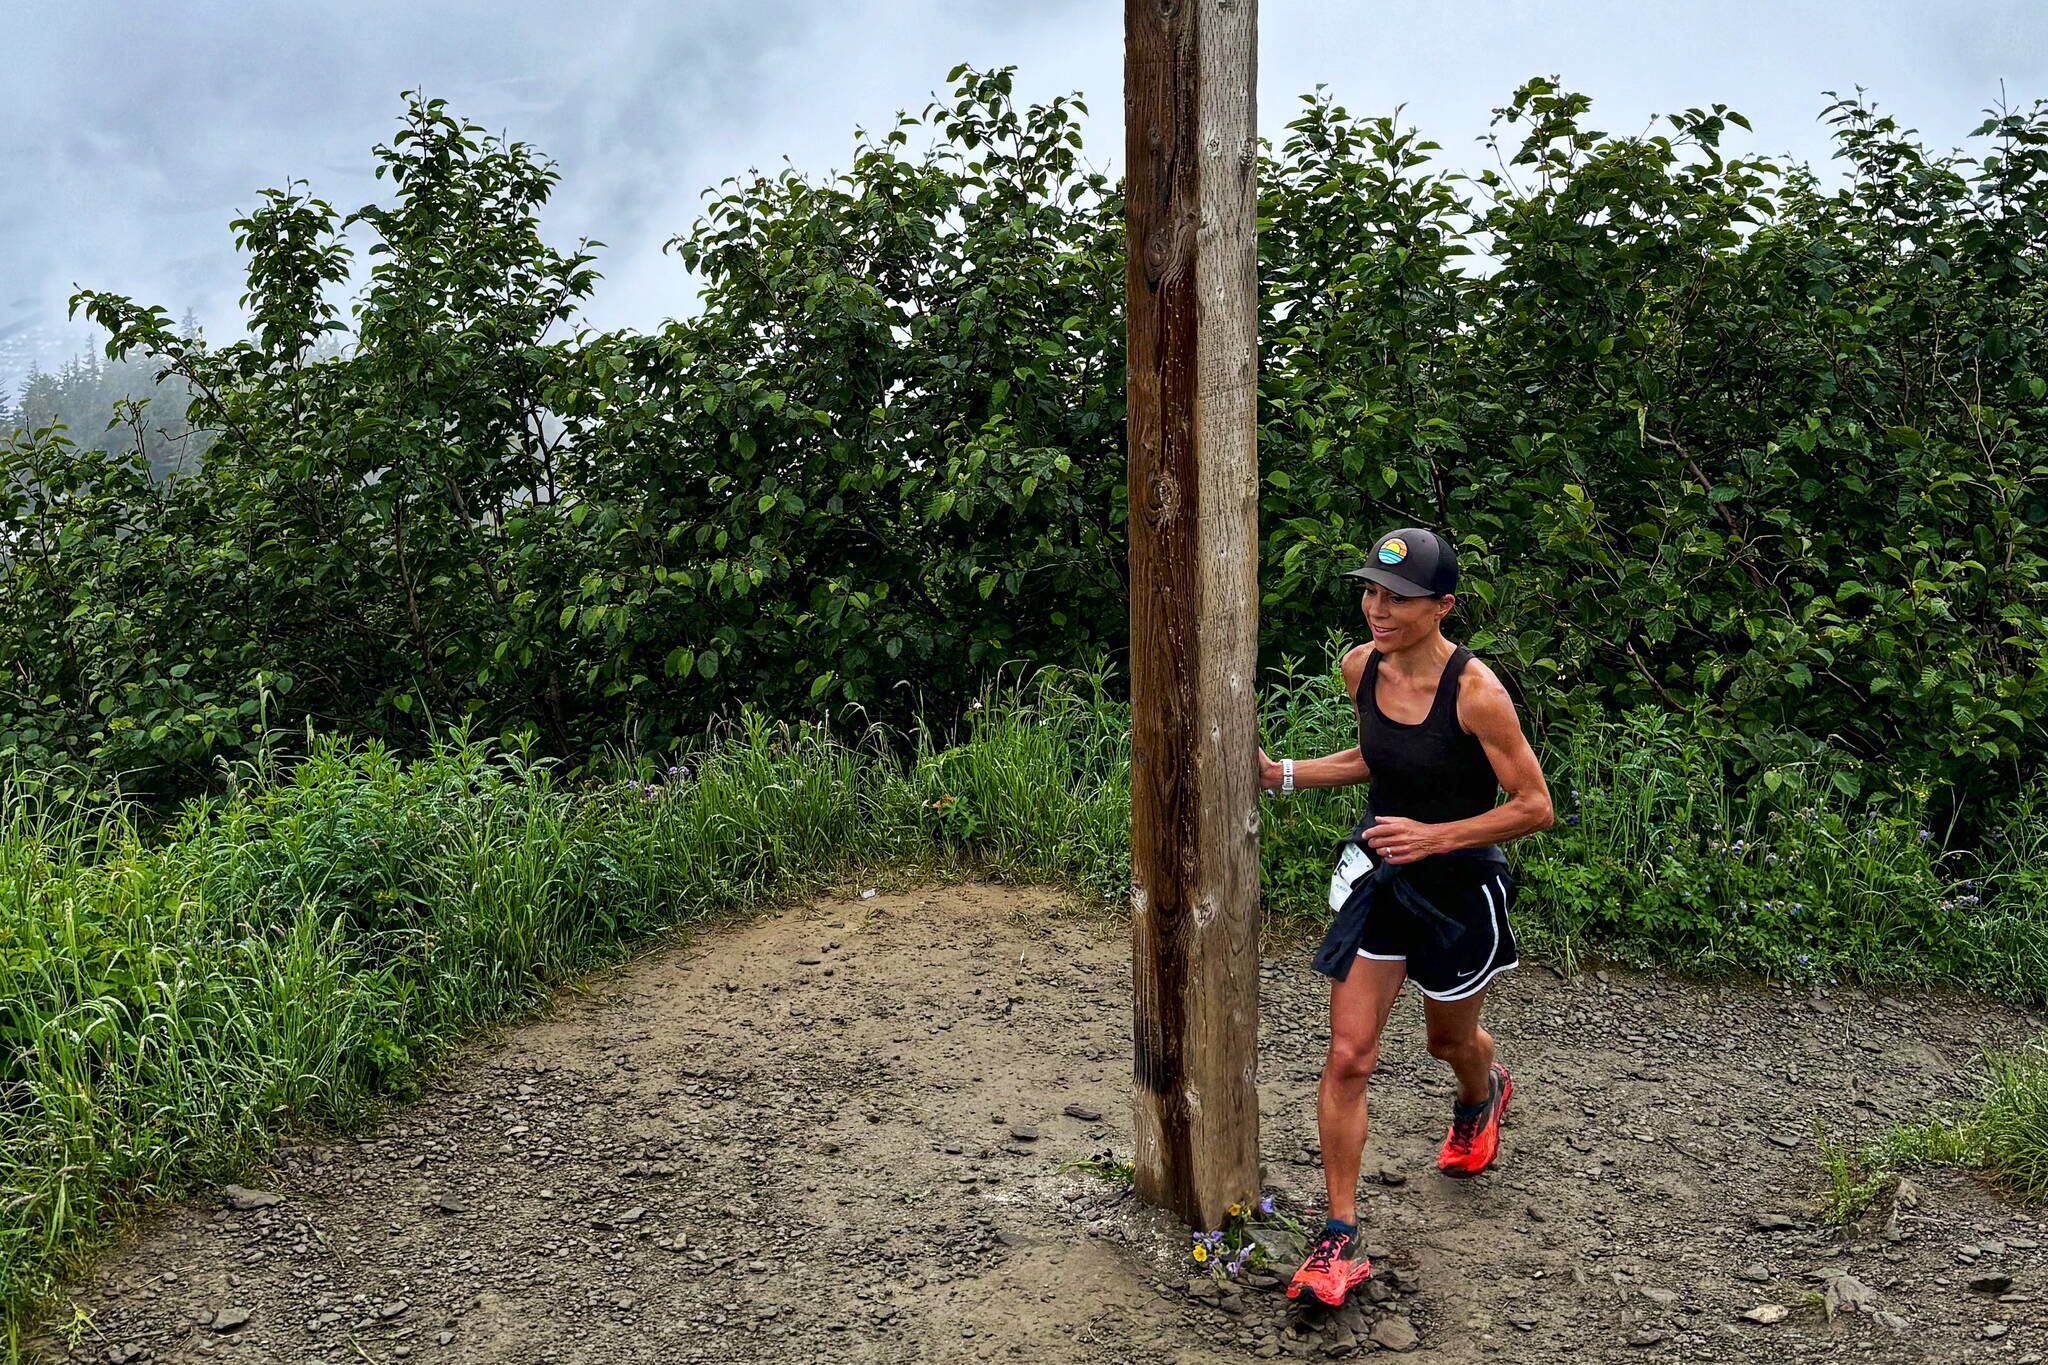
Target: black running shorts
x=1475, y=892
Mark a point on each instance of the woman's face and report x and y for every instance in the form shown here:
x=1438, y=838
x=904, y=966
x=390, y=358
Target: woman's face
x=1398, y=622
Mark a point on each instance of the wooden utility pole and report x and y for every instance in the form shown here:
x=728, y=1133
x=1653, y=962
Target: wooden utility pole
x=1191, y=286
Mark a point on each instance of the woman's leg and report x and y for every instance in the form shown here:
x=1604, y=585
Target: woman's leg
x=1359, y=1005
x=1456, y=1039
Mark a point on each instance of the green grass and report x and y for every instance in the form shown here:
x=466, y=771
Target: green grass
x=1104, y=1167
x=2011, y=1127
x=175, y=997
x=2004, y=1133
x=316, y=939
x=1855, y=1180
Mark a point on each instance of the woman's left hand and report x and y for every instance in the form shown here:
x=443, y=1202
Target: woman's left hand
x=1400, y=840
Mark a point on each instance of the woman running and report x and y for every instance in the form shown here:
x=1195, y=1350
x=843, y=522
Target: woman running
x=1422, y=889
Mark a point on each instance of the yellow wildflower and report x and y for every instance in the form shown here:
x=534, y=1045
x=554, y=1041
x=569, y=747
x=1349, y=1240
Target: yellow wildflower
x=1201, y=1252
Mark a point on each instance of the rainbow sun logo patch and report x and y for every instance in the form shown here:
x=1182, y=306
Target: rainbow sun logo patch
x=1393, y=552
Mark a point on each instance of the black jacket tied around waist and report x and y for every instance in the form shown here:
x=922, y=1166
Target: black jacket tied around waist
x=1339, y=948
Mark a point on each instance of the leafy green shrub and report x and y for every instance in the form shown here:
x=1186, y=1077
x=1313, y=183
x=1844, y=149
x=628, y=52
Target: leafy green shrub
x=1714, y=439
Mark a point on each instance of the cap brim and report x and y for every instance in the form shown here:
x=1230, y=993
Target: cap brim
x=1393, y=582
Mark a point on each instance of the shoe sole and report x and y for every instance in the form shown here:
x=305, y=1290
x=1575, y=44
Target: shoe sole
x=1294, y=1290
x=1507, y=1092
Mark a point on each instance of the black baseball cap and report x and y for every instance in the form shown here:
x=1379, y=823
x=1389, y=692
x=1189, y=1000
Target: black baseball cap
x=1413, y=562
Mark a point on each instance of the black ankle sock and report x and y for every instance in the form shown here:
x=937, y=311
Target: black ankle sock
x=1337, y=1225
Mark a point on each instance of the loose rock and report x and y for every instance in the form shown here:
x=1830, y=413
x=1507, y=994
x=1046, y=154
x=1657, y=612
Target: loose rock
x=1394, y=1334
x=1847, y=1294
x=247, y=1201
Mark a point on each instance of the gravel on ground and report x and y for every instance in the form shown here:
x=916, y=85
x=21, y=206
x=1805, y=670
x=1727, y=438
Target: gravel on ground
x=845, y=1132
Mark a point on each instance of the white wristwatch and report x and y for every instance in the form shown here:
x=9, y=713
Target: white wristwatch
x=1287, y=777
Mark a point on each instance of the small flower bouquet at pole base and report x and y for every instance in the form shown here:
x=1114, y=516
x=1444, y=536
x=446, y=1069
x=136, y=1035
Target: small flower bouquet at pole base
x=1247, y=1240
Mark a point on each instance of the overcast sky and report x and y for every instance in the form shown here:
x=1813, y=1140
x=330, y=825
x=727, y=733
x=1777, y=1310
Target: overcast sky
x=134, y=131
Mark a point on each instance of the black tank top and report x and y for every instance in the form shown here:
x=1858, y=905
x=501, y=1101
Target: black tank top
x=1433, y=771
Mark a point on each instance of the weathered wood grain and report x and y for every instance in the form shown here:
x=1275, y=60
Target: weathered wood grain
x=1190, y=80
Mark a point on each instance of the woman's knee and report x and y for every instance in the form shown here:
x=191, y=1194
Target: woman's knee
x=1352, y=1060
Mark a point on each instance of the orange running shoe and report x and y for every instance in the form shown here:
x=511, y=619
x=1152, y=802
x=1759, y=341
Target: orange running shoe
x=1474, y=1140
x=1330, y=1272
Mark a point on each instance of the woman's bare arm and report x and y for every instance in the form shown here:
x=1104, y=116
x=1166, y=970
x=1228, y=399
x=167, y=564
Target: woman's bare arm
x=1346, y=767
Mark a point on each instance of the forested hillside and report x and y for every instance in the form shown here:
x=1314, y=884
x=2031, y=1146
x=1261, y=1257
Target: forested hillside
x=1720, y=437
x=113, y=405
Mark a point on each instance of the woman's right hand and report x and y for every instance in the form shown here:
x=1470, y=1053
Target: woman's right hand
x=1269, y=773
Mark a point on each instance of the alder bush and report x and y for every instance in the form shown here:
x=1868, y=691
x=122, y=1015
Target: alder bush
x=1753, y=445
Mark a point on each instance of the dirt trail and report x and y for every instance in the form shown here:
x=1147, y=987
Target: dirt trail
x=837, y=1135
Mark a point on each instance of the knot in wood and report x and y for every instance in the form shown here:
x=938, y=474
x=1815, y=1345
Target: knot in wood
x=1159, y=250
x=1162, y=497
